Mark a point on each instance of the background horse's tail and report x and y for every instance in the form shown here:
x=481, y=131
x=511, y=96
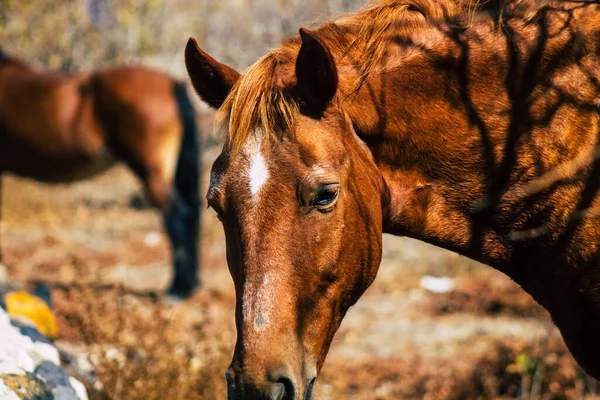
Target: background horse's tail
x=187, y=174
x=183, y=218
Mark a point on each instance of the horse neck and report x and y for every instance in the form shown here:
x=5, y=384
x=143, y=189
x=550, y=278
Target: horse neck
x=439, y=141
x=428, y=194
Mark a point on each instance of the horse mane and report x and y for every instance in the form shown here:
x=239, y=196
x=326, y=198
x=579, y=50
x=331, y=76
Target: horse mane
x=261, y=102
x=258, y=100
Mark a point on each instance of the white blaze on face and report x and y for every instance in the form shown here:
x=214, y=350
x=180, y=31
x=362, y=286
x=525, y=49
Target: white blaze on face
x=258, y=172
x=259, y=302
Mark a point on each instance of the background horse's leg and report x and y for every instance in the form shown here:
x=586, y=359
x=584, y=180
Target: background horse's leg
x=182, y=219
x=181, y=224
x=159, y=141
x=179, y=200
x=164, y=153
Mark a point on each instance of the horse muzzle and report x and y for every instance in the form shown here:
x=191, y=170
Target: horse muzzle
x=280, y=385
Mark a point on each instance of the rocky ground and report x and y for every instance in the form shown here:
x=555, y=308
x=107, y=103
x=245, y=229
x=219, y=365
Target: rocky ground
x=30, y=365
x=479, y=337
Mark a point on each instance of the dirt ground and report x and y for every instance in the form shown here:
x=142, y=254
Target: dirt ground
x=484, y=339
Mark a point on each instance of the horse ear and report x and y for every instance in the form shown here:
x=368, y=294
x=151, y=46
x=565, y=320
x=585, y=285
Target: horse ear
x=211, y=79
x=316, y=73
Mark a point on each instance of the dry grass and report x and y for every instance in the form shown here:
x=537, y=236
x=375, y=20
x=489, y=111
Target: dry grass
x=542, y=371
x=146, y=349
x=485, y=294
x=140, y=347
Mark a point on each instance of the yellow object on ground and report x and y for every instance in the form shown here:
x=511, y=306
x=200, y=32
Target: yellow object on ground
x=21, y=305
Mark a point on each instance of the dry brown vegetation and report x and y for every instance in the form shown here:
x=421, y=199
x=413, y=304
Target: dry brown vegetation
x=504, y=371
x=482, y=294
x=138, y=346
x=145, y=349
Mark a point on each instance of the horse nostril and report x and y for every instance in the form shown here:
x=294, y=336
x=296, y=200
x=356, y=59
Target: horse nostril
x=286, y=388
x=309, y=389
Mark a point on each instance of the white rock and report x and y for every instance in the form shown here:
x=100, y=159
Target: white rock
x=436, y=285
x=11, y=339
x=84, y=365
x=6, y=393
x=43, y=351
x=19, y=354
x=25, y=361
x=4, y=318
x=79, y=388
x=10, y=368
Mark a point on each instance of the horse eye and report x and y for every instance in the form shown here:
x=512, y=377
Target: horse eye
x=326, y=195
x=212, y=202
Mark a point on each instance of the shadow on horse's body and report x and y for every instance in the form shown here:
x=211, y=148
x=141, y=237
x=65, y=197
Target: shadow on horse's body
x=58, y=128
x=470, y=125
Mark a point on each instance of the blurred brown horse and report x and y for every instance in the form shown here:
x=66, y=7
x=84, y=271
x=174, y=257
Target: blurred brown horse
x=473, y=127
x=59, y=128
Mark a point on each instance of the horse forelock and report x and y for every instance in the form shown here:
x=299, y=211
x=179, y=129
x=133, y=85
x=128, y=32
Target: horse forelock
x=260, y=103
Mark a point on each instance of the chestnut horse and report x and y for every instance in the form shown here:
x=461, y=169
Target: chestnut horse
x=58, y=128
x=473, y=127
